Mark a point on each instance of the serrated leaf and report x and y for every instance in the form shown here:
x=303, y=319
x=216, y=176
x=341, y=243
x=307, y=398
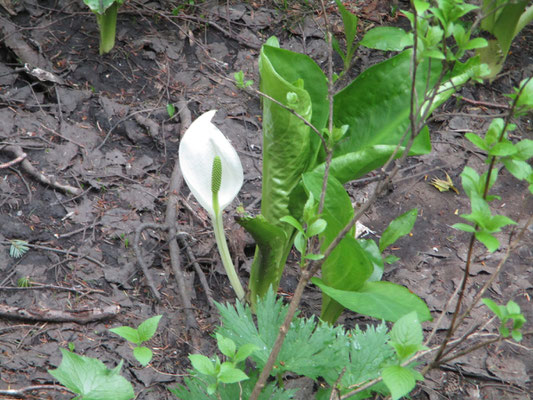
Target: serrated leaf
x=91, y=379
x=128, y=333
x=143, y=355
x=147, y=328
x=399, y=380
x=229, y=374
x=490, y=241
x=226, y=346
x=244, y=352
x=202, y=364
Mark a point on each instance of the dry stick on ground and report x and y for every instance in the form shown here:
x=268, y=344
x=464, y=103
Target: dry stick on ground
x=30, y=169
x=51, y=315
x=144, y=267
x=14, y=161
x=23, y=393
x=176, y=181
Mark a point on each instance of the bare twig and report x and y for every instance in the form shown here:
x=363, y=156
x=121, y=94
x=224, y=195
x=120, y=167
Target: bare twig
x=22, y=393
x=30, y=169
x=14, y=161
x=176, y=181
x=144, y=267
x=50, y=315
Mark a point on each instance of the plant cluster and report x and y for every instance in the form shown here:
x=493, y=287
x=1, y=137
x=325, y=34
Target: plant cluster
x=317, y=136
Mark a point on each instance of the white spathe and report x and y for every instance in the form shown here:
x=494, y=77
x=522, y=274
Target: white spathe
x=200, y=144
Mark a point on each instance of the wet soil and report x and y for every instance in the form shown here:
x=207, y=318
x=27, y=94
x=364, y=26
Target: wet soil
x=98, y=128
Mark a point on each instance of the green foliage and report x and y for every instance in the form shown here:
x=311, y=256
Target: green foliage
x=218, y=372
x=406, y=339
x=371, y=116
x=499, y=149
x=349, y=22
x=509, y=312
x=18, y=248
x=399, y=227
x=171, y=110
x=240, y=82
x=91, y=379
x=387, y=38
x=106, y=15
x=195, y=388
x=313, y=349
x=382, y=300
x=504, y=20
x=143, y=333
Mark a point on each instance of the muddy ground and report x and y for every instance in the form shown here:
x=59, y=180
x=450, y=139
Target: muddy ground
x=99, y=129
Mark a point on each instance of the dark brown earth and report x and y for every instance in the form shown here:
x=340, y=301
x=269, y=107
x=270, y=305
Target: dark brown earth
x=104, y=130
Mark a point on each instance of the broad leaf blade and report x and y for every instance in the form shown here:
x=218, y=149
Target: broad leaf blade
x=376, y=105
x=387, y=38
x=147, y=328
x=346, y=269
x=91, y=379
x=382, y=300
x=270, y=254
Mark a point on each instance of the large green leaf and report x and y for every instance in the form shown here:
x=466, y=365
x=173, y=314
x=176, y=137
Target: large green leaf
x=504, y=20
x=354, y=165
x=289, y=149
x=382, y=300
x=270, y=254
x=376, y=105
x=346, y=269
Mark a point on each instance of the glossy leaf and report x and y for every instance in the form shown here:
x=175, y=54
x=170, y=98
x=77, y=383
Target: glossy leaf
x=270, y=254
x=376, y=119
x=354, y=165
x=382, y=300
x=387, y=38
x=346, y=269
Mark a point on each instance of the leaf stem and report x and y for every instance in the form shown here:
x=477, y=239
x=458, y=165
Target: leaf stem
x=107, y=22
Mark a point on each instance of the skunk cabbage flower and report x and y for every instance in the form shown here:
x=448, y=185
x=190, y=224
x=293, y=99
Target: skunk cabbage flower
x=213, y=171
x=201, y=143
